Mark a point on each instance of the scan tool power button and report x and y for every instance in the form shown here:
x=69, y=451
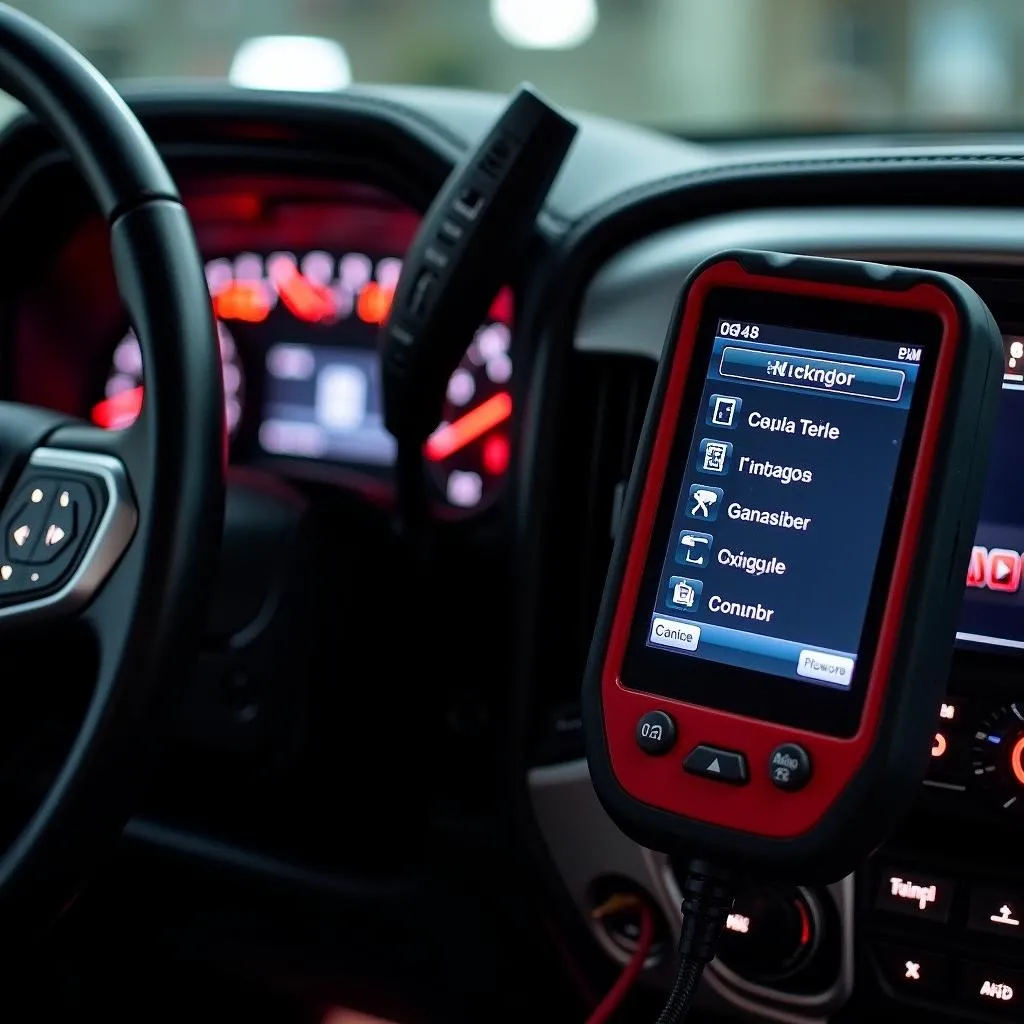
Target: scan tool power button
x=656, y=733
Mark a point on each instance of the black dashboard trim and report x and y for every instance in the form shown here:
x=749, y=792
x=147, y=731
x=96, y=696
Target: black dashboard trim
x=193, y=846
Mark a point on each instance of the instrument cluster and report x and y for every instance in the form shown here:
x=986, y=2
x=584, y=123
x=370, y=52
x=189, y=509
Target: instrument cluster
x=300, y=282
x=297, y=334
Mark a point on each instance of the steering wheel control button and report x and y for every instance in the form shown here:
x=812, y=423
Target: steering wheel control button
x=656, y=733
x=24, y=526
x=53, y=522
x=913, y=972
x=718, y=765
x=81, y=517
x=992, y=990
x=997, y=911
x=789, y=767
x=914, y=894
x=60, y=527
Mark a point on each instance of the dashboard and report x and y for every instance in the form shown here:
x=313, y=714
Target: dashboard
x=350, y=697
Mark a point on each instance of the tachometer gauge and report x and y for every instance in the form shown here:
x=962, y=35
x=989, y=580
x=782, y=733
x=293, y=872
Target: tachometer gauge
x=468, y=454
x=122, y=401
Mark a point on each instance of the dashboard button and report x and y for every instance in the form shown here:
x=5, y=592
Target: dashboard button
x=915, y=894
x=789, y=767
x=911, y=971
x=717, y=764
x=656, y=733
x=997, y=911
x=992, y=989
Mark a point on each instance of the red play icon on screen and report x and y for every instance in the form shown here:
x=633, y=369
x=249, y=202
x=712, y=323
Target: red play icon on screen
x=1003, y=570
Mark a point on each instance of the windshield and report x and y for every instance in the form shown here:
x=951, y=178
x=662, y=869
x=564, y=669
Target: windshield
x=726, y=67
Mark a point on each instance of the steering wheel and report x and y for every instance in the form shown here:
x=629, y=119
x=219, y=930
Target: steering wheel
x=117, y=531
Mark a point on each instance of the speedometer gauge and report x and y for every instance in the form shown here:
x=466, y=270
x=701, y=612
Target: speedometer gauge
x=468, y=454
x=122, y=401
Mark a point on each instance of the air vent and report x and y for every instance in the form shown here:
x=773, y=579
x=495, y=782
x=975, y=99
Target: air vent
x=606, y=400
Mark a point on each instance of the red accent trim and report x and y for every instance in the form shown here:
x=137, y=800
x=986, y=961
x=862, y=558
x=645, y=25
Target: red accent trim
x=759, y=807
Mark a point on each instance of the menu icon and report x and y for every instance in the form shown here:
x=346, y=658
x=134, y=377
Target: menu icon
x=683, y=594
x=704, y=502
x=694, y=548
x=724, y=411
x=715, y=456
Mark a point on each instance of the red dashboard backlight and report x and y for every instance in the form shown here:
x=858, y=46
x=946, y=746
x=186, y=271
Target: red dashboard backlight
x=119, y=411
x=374, y=303
x=242, y=300
x=244, y=206
x=502, y=307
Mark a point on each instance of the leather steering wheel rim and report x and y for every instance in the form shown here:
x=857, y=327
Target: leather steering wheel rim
x=141, y=585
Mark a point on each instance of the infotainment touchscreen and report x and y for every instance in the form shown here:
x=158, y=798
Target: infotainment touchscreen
x=992, y=615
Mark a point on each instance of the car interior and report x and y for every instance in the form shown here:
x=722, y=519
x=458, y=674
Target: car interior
x=279, y=764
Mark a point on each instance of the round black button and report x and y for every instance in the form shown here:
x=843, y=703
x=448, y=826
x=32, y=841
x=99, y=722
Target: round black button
x=789, y=767
x=656, y=733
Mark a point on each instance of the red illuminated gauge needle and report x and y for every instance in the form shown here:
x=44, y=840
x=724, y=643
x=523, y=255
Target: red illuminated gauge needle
x=121, y=410
x=452, y=437
x=304, y=299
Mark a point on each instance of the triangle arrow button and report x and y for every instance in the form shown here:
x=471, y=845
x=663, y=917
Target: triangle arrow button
x=717, y=765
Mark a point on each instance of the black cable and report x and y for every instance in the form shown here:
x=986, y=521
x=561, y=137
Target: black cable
x=683, y=990
x=707, y=900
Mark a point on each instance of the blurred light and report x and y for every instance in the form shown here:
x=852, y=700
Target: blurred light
x=339, y=1016
x=961, y=61
x=291, y=63
x=544, y=24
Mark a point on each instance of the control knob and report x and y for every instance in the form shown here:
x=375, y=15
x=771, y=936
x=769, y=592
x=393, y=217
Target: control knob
x=772, y=932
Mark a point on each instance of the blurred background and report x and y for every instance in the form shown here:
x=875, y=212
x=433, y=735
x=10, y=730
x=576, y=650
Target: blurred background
x=723, y=67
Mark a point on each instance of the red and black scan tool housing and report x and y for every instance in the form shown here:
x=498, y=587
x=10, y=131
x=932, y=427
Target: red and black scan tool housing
x=868, y=747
